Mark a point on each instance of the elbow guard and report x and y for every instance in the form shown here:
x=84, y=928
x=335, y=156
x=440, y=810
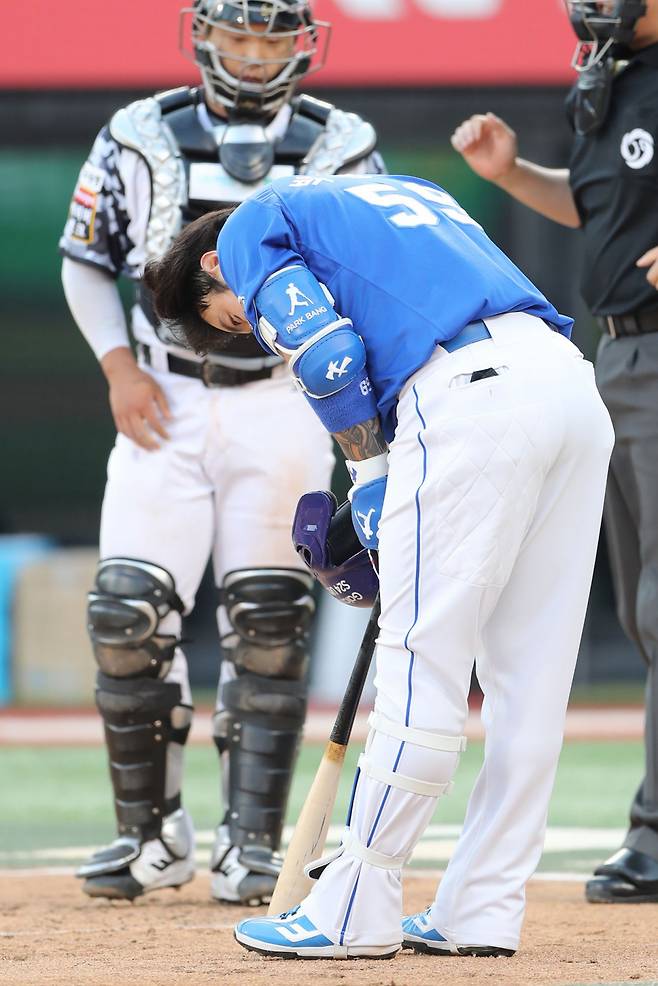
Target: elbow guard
x=329, y=362
x=327, y=357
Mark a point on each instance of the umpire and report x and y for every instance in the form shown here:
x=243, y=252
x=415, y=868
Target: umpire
x=610, y=191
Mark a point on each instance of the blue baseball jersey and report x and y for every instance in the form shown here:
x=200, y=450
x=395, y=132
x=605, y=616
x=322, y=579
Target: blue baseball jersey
x=398, y=257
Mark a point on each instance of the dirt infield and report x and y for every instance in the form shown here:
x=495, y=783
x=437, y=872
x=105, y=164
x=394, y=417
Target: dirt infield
x=50, y=933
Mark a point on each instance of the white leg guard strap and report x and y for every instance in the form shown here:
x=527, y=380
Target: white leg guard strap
x=411, y=784
x=419, y=737
x=313, y=870
x=352, y=845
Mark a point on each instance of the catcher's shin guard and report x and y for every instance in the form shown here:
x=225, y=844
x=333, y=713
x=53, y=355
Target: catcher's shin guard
x=146, y=728
x=260, y=723
x=140, y=696
x=146, y=721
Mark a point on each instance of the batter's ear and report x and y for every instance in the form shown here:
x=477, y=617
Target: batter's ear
x=210, y=263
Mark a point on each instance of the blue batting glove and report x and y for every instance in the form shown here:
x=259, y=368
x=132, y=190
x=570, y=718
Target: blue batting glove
x=367, y=501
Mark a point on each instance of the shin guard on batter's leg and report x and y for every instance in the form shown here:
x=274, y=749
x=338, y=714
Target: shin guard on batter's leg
x=259, y=724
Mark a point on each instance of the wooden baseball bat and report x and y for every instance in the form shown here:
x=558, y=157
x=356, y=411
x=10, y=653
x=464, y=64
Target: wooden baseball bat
x=310, y=833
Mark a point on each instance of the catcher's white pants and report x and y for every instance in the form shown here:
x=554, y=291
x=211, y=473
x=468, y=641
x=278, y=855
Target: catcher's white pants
x=487, y=544
x=225, y=484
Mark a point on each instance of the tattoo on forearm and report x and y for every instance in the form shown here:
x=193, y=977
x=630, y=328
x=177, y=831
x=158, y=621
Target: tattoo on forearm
x=363, y=440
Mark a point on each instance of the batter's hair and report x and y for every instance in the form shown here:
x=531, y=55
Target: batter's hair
x=180, y=287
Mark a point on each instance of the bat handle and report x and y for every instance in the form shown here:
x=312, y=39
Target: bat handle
x=310, y=833
x=342, y=729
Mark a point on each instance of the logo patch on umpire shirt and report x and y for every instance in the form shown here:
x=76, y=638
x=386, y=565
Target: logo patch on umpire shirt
x=637, y=148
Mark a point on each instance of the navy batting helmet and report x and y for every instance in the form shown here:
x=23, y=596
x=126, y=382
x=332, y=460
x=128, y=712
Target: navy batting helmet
x=325, y=540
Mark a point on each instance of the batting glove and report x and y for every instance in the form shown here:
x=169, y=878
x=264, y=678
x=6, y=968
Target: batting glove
x=367, y=497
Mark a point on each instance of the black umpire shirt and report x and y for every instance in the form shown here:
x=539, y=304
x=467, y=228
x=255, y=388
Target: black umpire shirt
x=614, y=179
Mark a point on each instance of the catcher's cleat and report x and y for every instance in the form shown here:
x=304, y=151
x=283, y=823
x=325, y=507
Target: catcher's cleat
x=419, y=934
x=245, y=876
x=127, y=869
x=294, y=936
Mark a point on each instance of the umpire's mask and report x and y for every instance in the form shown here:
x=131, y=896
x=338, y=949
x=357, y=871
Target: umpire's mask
x=602, y=28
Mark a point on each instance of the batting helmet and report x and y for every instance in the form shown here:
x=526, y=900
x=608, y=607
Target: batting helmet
x=325, y=540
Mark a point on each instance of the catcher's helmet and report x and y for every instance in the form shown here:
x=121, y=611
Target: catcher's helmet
x=240, y=94
x=600, y=24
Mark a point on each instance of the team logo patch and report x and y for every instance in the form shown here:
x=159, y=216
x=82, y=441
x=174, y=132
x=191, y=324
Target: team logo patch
x=334, y=370
x=91, y=177
x=637, y=148
x=82, y=214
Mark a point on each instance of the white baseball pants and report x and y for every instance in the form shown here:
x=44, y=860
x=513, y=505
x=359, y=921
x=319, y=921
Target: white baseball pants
x=487, y=544
x=225, y=485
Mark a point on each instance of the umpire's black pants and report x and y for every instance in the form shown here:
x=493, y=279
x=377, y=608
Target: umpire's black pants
x=627, y=376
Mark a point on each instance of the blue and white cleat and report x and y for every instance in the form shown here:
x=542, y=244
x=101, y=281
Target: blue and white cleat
x=419, y=933
x=293, y=936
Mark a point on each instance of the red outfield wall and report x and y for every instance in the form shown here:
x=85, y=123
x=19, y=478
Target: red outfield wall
x=134, y=43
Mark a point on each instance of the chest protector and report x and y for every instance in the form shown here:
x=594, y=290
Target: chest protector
x=199, y=162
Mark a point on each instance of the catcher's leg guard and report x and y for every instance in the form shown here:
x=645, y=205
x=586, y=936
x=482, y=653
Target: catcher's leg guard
x=139, y=695
x=143, y=719
x=260, y=722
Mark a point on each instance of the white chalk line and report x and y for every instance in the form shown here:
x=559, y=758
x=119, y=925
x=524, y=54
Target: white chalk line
x=436, y=846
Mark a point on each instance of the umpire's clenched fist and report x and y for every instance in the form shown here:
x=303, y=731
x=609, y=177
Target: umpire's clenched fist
x=487, y=144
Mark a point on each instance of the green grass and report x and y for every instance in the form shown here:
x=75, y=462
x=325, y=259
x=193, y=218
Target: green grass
x=609, y=693
x=60, y=796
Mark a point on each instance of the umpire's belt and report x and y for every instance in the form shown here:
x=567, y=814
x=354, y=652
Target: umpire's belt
x=636, y=324
x=232, y=372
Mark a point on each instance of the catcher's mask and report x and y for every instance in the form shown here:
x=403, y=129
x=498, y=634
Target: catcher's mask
x=240, y=94
x=600, y=24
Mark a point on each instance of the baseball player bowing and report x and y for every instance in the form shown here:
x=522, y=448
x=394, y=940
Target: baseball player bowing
x=478, y=448
x=193, y=464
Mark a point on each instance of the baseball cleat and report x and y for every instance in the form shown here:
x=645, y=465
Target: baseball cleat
x=293, y=935
x=245, y=876
x=419, y=934
x=127, y=869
